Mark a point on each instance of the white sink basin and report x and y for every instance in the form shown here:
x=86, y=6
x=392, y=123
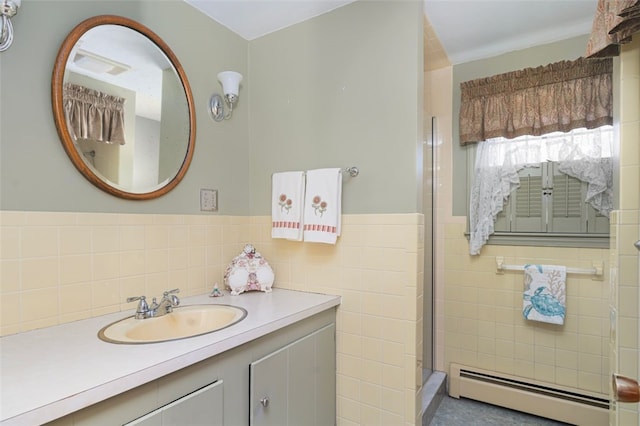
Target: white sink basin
x=183, y=322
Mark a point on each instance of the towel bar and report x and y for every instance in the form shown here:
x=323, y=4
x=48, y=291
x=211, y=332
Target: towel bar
x=353, y=171
x=596, y=271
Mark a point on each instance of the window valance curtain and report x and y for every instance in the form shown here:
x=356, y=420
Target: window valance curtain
x=93, y=115
x=534, y=101
x=614, y=23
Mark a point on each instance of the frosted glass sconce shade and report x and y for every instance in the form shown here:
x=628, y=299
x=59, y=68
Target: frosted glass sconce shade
x=230, y=81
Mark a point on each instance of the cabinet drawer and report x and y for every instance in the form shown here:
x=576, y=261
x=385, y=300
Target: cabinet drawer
x=202, y=407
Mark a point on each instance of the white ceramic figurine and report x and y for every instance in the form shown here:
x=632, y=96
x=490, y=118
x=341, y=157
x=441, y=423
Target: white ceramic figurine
x=248, y=271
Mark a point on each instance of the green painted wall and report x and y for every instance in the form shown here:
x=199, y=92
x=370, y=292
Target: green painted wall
x=342, y=89
x=35, y=173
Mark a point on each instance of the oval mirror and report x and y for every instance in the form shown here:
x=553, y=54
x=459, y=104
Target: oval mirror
x=123, y=108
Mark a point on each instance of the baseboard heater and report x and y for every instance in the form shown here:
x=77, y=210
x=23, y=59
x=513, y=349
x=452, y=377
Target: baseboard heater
x=528, y=396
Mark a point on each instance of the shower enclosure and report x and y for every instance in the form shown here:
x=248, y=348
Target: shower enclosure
x=428, y=209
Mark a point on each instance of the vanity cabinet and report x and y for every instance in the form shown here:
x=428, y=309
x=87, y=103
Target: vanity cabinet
x=294, y=367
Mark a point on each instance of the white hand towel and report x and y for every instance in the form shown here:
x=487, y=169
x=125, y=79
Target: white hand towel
x=545, y=295
x=323, y=206
x=287, y=195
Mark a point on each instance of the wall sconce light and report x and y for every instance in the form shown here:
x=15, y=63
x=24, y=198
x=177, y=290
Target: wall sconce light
x=230, y=86
x=8, y=8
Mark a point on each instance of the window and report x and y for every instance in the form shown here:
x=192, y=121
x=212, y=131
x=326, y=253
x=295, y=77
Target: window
x=554, y=189
x=566, y=96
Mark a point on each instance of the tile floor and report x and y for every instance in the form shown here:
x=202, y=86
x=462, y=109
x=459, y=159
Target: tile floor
x=467, y=412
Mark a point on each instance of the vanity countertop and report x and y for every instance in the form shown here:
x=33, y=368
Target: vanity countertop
x=54, y=371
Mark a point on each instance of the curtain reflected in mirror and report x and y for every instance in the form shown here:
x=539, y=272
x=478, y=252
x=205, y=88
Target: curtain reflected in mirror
x=93, y=115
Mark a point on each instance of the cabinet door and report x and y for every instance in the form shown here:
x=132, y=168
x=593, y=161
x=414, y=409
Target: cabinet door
x=296, y=385
x=202, y=407
x=268, y=390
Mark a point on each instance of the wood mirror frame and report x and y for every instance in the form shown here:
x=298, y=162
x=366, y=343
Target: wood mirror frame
x=66, y=138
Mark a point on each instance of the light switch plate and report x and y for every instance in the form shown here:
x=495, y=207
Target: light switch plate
x=209, y=200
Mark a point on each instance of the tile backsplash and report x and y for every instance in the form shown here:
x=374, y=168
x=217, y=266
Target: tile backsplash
x=376, y=268
x=62, y=267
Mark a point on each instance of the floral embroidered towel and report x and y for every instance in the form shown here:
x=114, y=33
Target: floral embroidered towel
x=287, y=195
x=323, y=206
x=545, y=295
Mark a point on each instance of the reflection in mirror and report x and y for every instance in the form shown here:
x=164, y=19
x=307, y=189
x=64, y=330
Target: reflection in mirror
x=123, y=108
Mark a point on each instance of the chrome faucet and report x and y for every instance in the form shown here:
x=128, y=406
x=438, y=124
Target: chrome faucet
x=167, y=303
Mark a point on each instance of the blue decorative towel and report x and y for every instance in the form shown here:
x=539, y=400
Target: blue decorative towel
x=545, y=296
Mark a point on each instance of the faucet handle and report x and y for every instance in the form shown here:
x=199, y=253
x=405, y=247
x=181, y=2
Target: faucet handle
x=143, y=307
x=133, y=299
x=174, y=299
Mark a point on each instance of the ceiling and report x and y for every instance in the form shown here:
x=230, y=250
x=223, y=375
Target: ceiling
x=476, y=29
x=254, y=18
x=466, y=29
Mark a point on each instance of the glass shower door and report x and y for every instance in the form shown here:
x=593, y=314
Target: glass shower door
x=428, y=206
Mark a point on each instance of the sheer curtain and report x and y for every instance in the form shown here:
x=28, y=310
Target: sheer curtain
x=581, y=153
x=93, y=115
